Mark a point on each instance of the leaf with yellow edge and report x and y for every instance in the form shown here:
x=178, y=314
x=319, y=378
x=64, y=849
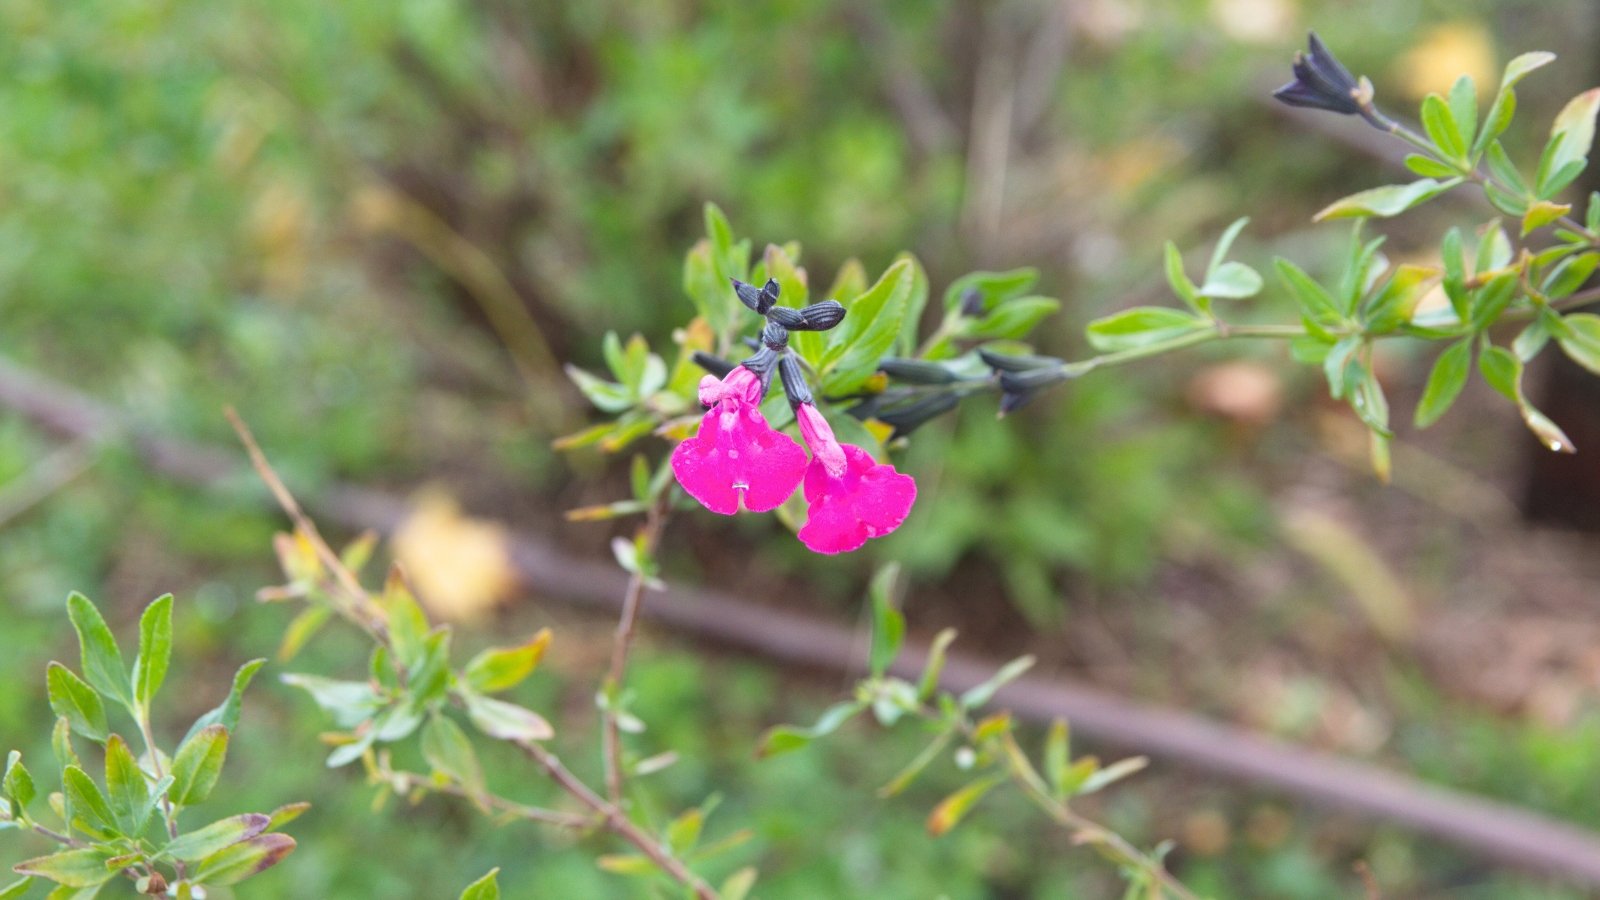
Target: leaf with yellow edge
x=952, y=809
x=1541, y=214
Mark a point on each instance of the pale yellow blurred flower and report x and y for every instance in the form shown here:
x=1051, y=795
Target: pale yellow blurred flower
x=1255, y=21
x=1445, y=53
x=459, y=566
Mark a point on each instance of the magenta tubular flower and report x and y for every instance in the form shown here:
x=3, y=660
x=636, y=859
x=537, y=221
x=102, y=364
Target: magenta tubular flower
x=736, y=454
x=853, y=497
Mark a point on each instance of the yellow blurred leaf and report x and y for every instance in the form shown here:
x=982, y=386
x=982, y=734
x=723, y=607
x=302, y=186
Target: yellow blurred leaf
x=459, y=566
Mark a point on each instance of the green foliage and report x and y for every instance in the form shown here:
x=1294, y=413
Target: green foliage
x=110, y=831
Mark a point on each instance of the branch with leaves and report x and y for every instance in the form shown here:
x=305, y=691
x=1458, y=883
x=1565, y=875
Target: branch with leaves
x=412, y=687
x=128, y=824
x=985, y=750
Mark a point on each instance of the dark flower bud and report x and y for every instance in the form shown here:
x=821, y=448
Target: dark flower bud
x=972, y=303
x=716, y=365
x=1322, y=82
x=1003, y=362
x=769, y=295
x=1017, y=388
x=775, y=336
x=762, y=362
x=788, y=317
x=907, y=417
x=794, y=381
x=916, y=371
x=821, y=316
x=749, y=294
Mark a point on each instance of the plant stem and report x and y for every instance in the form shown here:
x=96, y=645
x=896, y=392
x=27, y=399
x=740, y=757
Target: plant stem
x=406, y=781
x=616, y=820
x=622, y=643
x=145, y=732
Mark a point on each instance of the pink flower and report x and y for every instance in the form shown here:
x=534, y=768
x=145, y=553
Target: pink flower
x=736, y=454
x=852, y=496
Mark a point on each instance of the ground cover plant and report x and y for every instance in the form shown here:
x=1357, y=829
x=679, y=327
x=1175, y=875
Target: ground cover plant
x=776, y=396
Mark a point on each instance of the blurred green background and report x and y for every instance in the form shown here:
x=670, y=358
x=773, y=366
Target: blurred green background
x=322, y=213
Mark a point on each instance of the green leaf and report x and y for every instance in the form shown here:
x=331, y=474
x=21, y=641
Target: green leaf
x=1180, y=283
x=952, y=809
x=1501, y=167
x=1489, y=301
x=506, y=721
x=1581, y=340
x=155, y=650
x=977, y=696
x=127, y=792
x=485, y=888
x=1393, y=306
x=239, y=861
x=446, y=748
x=1117, y=771
x=305, y=626
x=16, y=889
x=196, y=845
x=83, y=867
x=1369, y=402
x=888, y=624
x=1504, y=106
x=607, y=396
x=785, y=738
x=1429, y=167
x=915, y=304
x=18, y=784
x=74, y=700
x=1012, y=319
x=1541, y=214
x=88, y=803
x=1445, y=381
x=1501, y=370
x=429, y=676
x=1442, y=128
x=226, y=714
x=1390, y=200
x=991, y=287
x=1464, y=109
x=1232, y=280
x=1336, y=366
x=1570, y=275
x=349, y=702
x=1142, y=326
x=908, y=775
x=1057, y=757
x=1224, y=244
x=1315, y=302
x=61, y=743
x=929, y=683
x=871, y=325
x=502, y=668
x=1570, y=139
x=198, y=765
x=737, y=886
x=683, y=832
x=102, y=661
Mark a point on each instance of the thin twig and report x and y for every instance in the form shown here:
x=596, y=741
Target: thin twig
x=622, y=643
x=616, y=820
x=412, y=780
